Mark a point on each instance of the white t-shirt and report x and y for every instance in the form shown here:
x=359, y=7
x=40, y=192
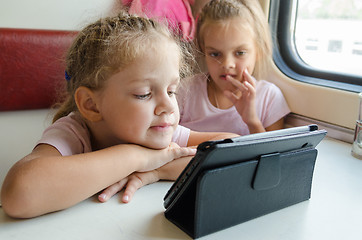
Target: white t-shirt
x=198, y=114
x=70, y=135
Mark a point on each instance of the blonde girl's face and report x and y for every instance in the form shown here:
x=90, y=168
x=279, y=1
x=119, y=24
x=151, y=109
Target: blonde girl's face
x=138, y=104
x=229, y=50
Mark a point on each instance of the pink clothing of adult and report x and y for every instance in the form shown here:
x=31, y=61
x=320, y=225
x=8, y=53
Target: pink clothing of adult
x=198, y=114
x=177, y=13
x=70, y=135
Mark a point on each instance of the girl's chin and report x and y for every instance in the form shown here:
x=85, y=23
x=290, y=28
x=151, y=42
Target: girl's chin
x=158, y=145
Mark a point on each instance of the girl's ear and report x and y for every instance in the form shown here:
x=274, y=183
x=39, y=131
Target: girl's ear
x=87, y=104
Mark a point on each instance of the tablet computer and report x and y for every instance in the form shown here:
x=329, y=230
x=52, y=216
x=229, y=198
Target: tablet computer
x=213, y=154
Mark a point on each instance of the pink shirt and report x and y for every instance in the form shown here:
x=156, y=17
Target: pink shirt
x=177, y=13
x=198, y=114
x=70, y=135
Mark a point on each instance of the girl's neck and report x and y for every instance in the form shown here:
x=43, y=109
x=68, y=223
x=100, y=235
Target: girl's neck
x=216, y=96
x=99, y=136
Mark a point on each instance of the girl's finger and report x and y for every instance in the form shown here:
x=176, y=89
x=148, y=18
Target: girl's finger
x=133, y=184
x=251, y=89
x=112, y=190
x=248, y=78
x=239, y=85
x=136, y=181
x=182, y=152
x=231, y=96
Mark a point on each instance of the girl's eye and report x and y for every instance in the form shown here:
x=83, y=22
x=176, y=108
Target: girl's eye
x=240, y=53
x=214, y=54
x=143, y=96
x=171, y=93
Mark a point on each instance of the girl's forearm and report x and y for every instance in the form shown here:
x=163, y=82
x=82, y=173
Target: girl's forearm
x=44, y=181
x=46, y=184
x=198, y=137
x=172, y=170
x=256, y=127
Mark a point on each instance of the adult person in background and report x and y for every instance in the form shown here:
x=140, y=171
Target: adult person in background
x=180, y=15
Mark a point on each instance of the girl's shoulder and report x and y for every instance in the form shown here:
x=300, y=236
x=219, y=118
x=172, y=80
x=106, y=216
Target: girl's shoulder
x=264, y=83
x=72, y=119
x=191, y=87
x=193, y=83
x=197, y=79
x=68, y=134
x=266, y=86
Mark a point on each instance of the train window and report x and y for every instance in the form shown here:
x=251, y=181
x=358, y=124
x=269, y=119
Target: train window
x=327, y=34
x=319, y=41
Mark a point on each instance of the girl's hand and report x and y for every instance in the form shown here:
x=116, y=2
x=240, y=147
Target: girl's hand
x=158, y=158
x=132, y=183
x=136, y=180
x=245, y=104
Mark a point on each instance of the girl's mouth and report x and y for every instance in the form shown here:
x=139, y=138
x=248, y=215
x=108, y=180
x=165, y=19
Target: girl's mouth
x=161, y=127
x=225, y=76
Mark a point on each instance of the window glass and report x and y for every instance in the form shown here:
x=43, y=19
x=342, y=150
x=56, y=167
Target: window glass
x=328, y=34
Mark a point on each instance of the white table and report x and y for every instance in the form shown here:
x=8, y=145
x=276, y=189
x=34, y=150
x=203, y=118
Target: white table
x=333, y=212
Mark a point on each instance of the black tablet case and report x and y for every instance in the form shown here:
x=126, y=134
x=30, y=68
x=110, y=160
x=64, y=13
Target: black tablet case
x=229, y=195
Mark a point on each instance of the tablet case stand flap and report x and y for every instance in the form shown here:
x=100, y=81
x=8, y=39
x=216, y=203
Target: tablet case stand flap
x=226, y=196
x=268, y=172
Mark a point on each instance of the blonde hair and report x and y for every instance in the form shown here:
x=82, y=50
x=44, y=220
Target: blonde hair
x=251, y=13
x=109, y=45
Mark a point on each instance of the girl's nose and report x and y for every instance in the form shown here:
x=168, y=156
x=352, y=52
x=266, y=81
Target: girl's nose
x=165, y=104
x=228, y=62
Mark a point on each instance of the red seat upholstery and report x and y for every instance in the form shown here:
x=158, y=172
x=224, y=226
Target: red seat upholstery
x=31, y=67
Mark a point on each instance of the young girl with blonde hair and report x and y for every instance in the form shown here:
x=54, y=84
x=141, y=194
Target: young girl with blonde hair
x=234, y=39
x=118, y=126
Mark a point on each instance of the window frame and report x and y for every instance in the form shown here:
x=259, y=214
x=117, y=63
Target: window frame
x=282, y=21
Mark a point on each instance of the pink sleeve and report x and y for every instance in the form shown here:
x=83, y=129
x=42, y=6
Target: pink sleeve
x=181, y=136
x=275, y=106
x=68, y=136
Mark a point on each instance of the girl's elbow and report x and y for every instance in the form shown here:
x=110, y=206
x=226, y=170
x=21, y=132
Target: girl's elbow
x=11, y=208
x=15, y=200
x=17, y=208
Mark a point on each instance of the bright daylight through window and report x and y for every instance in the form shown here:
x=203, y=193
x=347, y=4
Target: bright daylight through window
x=328, y=34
